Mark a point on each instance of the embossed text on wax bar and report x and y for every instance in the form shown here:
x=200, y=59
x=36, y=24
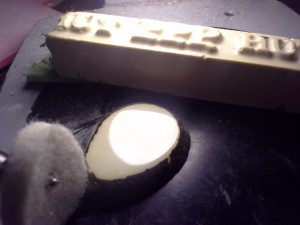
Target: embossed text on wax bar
x=268, y=46
x=205, y=39
x=181, y=37
x=206, y=63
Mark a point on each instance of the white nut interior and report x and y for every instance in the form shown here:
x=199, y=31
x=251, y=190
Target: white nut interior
x=131, y=140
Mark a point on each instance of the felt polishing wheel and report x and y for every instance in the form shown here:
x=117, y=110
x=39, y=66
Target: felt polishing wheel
x=45, y=176
x=134, y=151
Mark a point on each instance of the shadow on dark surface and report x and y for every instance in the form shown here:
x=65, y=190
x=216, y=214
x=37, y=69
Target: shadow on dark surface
x=3, y=72
x=293, y=4
x=79, y=5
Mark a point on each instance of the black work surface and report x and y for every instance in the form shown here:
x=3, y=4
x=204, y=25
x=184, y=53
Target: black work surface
x=244, y=164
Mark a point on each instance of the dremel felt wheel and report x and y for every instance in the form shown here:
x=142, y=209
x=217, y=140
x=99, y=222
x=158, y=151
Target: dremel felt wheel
x=45, y=176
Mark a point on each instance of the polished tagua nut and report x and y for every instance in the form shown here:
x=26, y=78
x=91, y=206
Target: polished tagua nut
x=134, y=151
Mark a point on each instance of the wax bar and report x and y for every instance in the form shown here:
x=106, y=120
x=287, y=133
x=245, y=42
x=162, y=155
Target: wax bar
x=206, y=63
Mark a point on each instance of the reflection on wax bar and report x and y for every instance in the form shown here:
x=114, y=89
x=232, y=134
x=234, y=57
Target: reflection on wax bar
x=186, y=60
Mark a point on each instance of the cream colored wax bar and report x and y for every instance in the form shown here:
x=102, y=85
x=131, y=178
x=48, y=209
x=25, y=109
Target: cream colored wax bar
x=193, y=61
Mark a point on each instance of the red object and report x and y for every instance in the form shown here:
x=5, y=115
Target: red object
x=16, y=19
x=6, y=61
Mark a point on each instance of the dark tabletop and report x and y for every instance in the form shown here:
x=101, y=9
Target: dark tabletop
x=244, y=163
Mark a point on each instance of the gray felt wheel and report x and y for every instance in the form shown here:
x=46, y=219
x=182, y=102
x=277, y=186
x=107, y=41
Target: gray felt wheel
x=45, y=176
